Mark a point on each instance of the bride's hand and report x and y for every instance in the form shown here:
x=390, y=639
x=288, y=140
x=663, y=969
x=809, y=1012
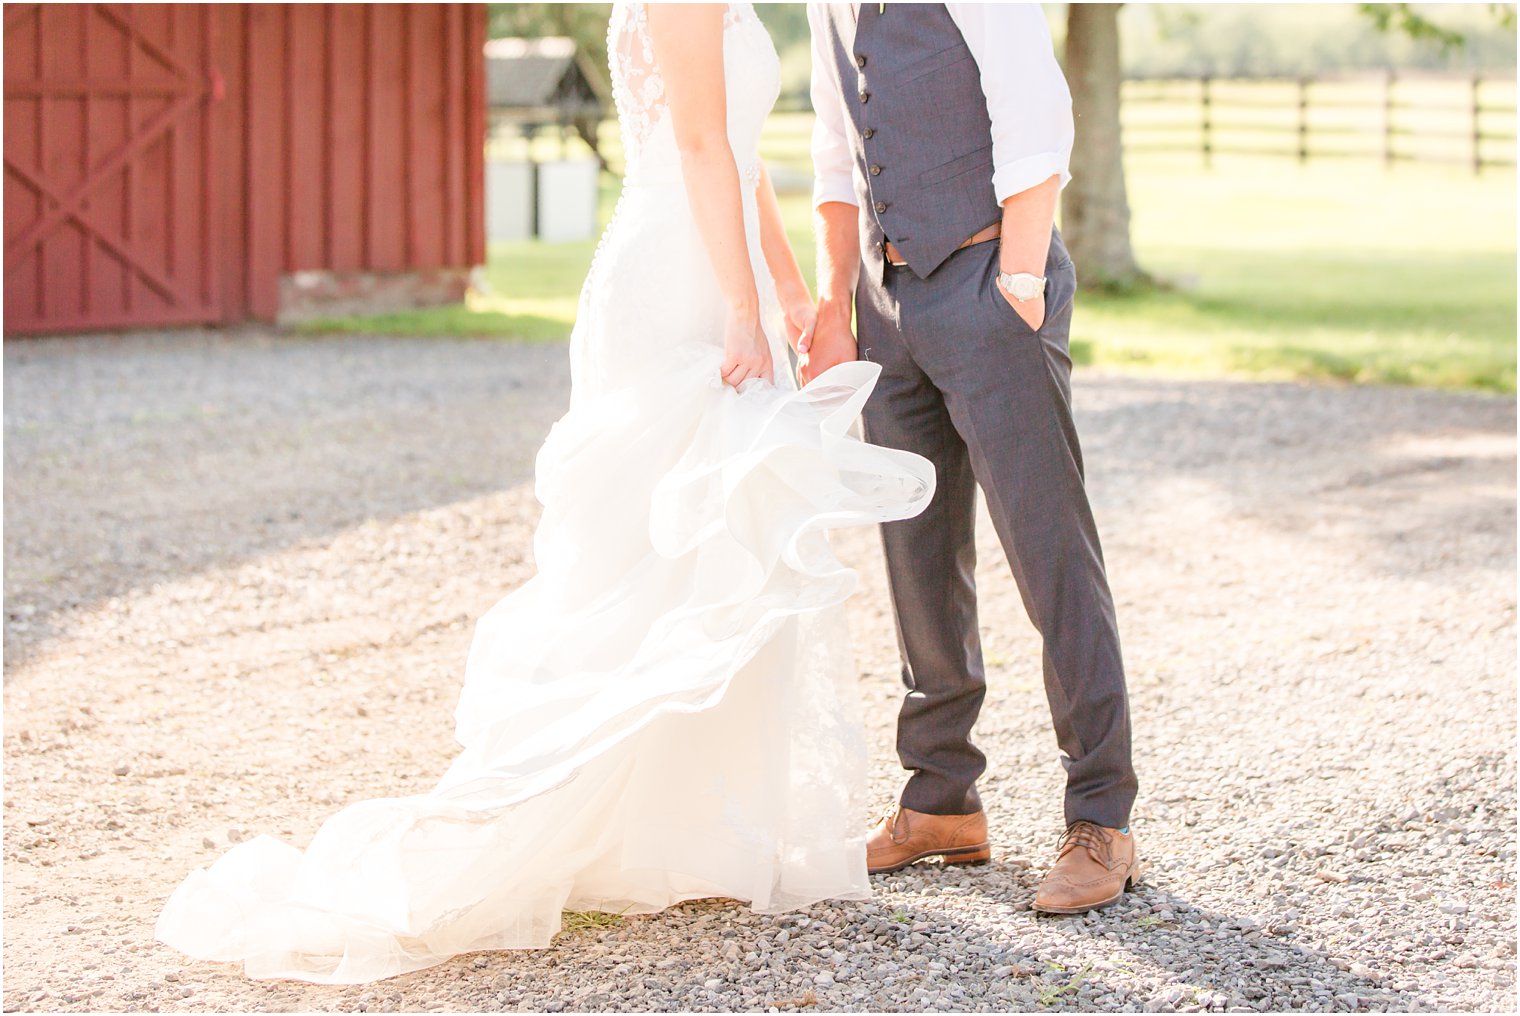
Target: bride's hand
x=801, y=319
x=746, y=353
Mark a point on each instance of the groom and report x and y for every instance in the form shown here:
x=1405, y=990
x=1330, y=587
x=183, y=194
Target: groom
x=942, y=140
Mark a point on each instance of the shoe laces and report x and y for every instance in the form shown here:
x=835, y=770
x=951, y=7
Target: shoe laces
x=1096, y=840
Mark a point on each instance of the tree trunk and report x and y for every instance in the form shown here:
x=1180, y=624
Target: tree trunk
x=1095, y=209
x=586, y=127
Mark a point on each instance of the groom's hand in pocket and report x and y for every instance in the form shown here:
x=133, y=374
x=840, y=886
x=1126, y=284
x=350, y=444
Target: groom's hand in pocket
x=1032, y=311
x=832, y=341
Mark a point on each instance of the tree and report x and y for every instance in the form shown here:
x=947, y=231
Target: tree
x=1404, y=18
x=1095, y=215
x=1095, y=220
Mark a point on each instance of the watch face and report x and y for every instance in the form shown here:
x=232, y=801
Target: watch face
x=1023, y=286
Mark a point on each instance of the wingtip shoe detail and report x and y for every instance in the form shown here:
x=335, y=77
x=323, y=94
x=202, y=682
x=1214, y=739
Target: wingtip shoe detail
x=1094, y=866
x=903, y=836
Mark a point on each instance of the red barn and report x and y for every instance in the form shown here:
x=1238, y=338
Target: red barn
x=202, y=163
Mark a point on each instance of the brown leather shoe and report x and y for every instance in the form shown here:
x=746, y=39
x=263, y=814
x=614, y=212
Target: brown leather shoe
x=1093, y=868
x=905, y=836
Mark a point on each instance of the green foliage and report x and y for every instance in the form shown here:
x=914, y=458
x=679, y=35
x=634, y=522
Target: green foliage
x=1243, y=40
x=788, y=26
x=1159, y=40
x=787, y=23
x=585, y=23
x=1404, y=18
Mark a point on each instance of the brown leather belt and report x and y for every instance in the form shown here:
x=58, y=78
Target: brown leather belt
x=980, y=236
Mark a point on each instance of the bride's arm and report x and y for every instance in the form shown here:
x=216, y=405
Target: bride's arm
x=688, y=48
x=791, y=287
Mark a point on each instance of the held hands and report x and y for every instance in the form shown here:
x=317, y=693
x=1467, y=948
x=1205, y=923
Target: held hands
x=746, y=353
x=801, y=319
x=831, y=343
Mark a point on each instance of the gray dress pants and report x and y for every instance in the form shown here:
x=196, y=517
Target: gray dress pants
x=969, y=385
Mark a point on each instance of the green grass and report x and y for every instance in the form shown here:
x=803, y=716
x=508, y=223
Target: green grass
x=1338, y=270
x=530, y=293
x=573, y=921
x=1050, y=994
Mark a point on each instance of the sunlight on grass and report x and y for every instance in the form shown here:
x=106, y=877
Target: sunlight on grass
x=1333, y=271
x=530, y=292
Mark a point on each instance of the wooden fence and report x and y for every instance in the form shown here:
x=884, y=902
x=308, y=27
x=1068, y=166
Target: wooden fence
x=1463, y=120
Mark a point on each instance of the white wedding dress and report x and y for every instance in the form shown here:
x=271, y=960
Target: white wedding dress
x=668, y=710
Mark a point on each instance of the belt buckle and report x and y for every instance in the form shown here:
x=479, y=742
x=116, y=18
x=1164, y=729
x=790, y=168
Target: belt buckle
x=887, y=257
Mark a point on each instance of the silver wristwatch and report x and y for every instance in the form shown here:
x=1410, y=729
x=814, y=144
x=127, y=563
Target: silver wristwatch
x=1021, y=285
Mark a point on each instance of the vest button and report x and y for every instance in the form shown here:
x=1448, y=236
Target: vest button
x=876, y=171
x=865, y=97
x=868, y=133
x=881, y=206
x=860, y=59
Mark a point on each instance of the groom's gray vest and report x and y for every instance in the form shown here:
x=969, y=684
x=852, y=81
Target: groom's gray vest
x=919, y=129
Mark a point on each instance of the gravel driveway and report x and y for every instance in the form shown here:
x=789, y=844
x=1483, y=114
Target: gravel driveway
x=242, y=572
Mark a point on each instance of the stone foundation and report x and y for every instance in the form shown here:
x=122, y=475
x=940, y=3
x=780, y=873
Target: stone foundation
x=318, y=294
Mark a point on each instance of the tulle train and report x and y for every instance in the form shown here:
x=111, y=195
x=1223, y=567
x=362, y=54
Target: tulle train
x=666, y=711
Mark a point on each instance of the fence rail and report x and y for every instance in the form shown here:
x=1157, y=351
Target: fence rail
x=1465, y=120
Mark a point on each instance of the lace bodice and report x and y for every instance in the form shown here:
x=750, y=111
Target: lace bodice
x=652, y=264
x=752, y=81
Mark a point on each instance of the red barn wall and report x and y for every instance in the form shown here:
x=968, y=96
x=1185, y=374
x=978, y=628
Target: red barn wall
x=170, y=163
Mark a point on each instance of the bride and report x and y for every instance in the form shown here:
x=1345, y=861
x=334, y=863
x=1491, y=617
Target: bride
x=667, y=710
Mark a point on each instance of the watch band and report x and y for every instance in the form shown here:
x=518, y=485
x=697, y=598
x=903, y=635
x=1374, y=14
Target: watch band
x=1009, y=281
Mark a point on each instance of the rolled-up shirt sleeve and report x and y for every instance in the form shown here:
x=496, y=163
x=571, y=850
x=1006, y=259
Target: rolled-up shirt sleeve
x=1027, y=96
x=833, y=163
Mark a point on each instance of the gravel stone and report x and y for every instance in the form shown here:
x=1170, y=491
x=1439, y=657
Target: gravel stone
x=242, y=572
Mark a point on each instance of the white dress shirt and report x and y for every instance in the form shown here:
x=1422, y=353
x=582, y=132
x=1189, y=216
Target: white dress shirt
x=1027, y=101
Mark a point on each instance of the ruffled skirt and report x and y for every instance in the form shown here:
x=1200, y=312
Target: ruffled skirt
x=666, y=711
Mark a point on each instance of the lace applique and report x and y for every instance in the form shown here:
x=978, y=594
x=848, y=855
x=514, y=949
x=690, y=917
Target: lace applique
x=737, y=13
x=638, y=90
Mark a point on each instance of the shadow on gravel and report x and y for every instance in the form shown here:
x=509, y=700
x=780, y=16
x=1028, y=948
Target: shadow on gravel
x=136, y=459
x=1208, y=959
x=141, y=458
x=1219, y=961
x=1360, y=471
x=914, y=959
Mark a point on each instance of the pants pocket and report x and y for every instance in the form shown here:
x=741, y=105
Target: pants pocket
x=1060, y=287
x=992, y=293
